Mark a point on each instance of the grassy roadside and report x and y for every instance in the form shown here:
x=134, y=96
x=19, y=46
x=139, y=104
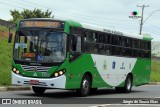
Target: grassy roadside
x=155, y=73
x=5, y=59
x=3, y=28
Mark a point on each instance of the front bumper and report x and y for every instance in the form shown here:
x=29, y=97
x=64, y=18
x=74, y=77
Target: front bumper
x=58, y=82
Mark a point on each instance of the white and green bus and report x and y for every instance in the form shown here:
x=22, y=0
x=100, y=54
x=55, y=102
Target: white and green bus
x=64, y=54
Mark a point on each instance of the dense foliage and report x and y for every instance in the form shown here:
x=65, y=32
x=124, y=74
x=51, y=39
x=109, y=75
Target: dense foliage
x=36, y=13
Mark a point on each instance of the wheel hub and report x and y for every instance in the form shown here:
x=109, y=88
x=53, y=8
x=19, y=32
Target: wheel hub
x=128, y=84
x=85, y=86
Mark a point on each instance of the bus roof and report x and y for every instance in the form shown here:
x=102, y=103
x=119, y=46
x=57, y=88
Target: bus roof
x=41, y=19
x=108, y=30
x=96, y=28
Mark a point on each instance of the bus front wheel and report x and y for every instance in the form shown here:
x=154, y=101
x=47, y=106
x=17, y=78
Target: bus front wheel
x=85, y=86
x=127, y=87
x=38, y=90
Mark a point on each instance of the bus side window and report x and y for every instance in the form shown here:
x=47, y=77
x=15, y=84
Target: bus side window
x=78, y=45
x=75, y=43
x=91, y=37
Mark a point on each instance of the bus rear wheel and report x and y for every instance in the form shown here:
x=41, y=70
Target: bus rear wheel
x=38, y=90
x=127, y=87
x=85, y=86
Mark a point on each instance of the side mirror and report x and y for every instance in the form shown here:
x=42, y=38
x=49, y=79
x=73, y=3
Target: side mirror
x=10, y=38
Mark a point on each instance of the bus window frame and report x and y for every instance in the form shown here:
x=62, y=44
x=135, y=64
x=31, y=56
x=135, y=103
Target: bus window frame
x=132, y=47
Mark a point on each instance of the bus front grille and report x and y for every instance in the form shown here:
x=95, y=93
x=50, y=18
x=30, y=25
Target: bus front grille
x=35, y=68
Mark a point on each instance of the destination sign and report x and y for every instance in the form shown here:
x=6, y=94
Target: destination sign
x=41, y=24
x=29, y=55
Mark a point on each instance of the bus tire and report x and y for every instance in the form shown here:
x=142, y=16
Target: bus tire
x=38, y=90
x=85, y=86
x=128, y=84
x=127, y=87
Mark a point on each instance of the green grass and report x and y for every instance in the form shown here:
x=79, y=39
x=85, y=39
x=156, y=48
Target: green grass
x=5, y=61
x=5, y=57
x=155, y=73
x=3, y=28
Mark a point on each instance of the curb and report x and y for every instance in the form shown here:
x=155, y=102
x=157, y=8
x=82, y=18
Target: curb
x=154, y=83
x=3, y=88
x=14, y=88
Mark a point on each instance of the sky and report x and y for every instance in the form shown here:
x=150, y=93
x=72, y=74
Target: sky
x=112, y=14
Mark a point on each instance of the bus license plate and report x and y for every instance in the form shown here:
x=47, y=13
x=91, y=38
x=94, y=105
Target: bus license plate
x=35, y=82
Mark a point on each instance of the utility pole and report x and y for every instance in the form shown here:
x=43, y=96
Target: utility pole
x=141, y=23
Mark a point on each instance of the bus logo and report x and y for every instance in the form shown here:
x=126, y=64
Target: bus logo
x=6, y=101
x=44, y=74
x=35, y=64
x=134, y=15
x=130, y=66
x=35, y=74
x=105, y=65
x=35, y=69
x=95, y=64
x=113, y=65
x=122, y=67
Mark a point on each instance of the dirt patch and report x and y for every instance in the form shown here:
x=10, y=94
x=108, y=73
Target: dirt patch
x=4, y=34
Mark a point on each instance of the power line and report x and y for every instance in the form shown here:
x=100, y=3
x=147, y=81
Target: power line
x=109, y=26
x=152, y=30
x=107, y=23
x=67, y=12
x=61, y=11
x=130, y=27
x=21, y=3
x=150, y=15
x=81, y=21
x=11, y=5
x=87, y=17
x=156, y=27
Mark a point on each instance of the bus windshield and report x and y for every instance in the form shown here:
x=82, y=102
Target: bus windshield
x=40, y=46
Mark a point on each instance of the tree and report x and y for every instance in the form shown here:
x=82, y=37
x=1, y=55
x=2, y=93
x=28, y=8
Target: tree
x=16, y=15
x=36, y=13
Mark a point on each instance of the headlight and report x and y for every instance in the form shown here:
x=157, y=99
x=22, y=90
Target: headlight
x=56, y=74
x=15, y=70
x=59, y=73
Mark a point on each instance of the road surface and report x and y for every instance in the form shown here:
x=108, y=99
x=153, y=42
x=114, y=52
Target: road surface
x=63, y=98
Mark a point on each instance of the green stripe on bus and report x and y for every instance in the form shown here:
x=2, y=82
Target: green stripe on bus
x=70, y=23
x=147, y=38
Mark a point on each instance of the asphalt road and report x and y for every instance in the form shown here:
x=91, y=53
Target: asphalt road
x=63, y=98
